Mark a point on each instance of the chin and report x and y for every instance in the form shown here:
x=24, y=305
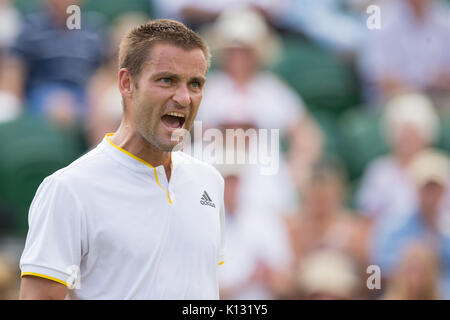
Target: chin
x=171, y=148
x=166, y=147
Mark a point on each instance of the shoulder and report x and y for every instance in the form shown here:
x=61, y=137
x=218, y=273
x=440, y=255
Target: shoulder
x=402, y=226
x=66, y=187
x=35, y=19
x=87, y=167
x=30, y=24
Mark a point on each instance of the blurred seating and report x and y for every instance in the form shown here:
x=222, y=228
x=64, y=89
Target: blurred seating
x=26, y=6
x=360, y=139
x=31, y=149
x=319, y=76
x=113, y=9
x=110, y=9
x=444, y=137
x=328, y=122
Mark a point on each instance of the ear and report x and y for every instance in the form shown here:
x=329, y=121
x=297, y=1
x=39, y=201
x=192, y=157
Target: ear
x=126, y=86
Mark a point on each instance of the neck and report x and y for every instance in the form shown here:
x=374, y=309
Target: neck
x=241, y=78
x=129, y=139
x=420, y=14
x=403, y=159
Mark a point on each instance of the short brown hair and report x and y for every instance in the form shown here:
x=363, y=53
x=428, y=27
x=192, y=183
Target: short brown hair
x=135, y=46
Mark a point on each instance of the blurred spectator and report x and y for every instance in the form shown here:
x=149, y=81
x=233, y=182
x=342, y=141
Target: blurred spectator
x=386, y=190
x=242, y=93
x=416, y=276
x=267, y=195
x=10, y=23
x=258, y=253
x=328, y=275
x=324, y=221
x=11, y=108
x=338, y=25
x=305, y=150
x=9, y=276
x=197, y=13
x=430, y=171
x=411, y=49
x=104, y=99
x=50, y=65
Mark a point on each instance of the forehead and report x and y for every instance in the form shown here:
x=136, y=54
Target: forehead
x=170, y=58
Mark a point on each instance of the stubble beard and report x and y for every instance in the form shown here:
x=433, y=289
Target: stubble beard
x=149, y=133
x=148, y=130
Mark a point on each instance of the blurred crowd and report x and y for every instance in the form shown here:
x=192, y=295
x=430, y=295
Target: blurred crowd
x=362, y=112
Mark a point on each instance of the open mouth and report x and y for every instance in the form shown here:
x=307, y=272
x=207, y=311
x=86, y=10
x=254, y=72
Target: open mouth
x=173, y=120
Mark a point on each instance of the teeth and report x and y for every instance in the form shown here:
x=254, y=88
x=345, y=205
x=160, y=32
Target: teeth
x=176, y=114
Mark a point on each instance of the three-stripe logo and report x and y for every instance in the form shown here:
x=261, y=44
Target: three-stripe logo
x=206, y=200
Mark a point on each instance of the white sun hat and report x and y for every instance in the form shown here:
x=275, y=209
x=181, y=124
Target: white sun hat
x=430, y=166
x=243, y=27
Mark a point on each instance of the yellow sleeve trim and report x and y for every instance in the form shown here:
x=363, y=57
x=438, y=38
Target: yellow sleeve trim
x=140, y=160
x=43, y=276
x=221, y=263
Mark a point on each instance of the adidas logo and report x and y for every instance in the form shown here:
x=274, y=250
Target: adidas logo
x=206, y=200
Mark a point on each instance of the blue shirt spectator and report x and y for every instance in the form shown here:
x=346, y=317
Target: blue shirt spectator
x=389, y=245
x=430, y=171
x=56, y=58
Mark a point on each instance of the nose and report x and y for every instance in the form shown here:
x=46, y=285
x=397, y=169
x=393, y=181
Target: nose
x=182, y=96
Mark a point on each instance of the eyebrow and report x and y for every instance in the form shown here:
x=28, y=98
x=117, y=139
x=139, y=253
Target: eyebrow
x=164, y=74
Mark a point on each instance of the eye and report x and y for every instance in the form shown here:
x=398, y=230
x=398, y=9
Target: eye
x=165, y=80
x=196, y=85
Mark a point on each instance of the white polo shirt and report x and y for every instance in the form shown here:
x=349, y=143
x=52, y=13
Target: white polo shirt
x=113, y=226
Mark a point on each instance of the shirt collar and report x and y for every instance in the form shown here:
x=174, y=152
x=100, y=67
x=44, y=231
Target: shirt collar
x=130, y=160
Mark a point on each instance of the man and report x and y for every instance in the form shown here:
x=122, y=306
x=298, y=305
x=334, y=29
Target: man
x=48, y=65
x=428, y=224
x=409, y=52
x=131, y=219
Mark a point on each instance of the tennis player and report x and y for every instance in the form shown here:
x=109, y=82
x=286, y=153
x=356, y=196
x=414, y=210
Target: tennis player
x=133, y=219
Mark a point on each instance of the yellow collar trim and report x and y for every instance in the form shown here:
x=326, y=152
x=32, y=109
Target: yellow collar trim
x=140, y=160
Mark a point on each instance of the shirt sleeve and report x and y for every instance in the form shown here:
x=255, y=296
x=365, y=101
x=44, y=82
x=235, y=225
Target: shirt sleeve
x=54, y=244
x=369, y=197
